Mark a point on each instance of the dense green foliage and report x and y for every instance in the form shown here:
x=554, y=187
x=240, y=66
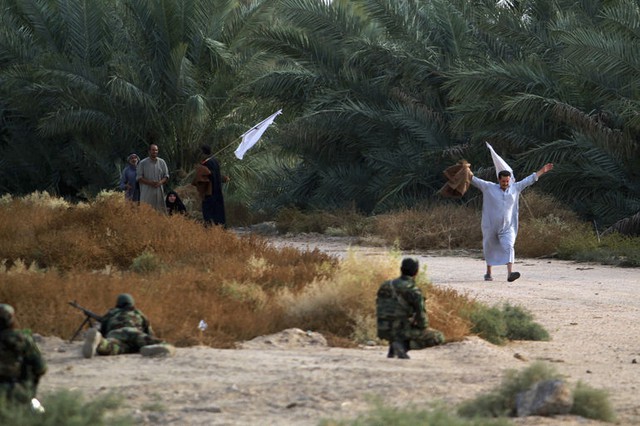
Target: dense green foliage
x=379, y=96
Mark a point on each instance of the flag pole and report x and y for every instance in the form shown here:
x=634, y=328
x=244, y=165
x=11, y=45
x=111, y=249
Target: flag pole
x=242, y=135
x=226, y=146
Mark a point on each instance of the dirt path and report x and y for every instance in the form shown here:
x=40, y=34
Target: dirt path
x=591, y=311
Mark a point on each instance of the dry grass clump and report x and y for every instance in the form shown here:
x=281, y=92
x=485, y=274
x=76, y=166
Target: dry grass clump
x=443, y=226
x=449, y=310
x=178, y=271
x=338, y=222
x=181, y=273
x=344, y=305
x=535, y=205
x=112, y=233
x=544, y=225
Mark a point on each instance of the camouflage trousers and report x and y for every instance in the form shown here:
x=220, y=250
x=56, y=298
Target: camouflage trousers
x=420, y=339
x=412, y=337
x=126, y=340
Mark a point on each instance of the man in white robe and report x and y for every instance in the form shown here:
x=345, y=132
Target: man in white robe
x=500, y=218
x=152, y=173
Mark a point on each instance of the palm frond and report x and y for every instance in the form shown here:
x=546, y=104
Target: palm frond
x=627, y=226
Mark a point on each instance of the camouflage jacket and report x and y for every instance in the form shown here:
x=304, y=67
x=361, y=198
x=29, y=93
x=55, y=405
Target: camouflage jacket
x=125, y=317
x=20, y=359
x=401, y=299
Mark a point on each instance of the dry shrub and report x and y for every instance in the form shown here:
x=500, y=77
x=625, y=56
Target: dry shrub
x=346, y=221
x=344, y=305
x=446, y=308
x=242, y=287
x=174, y=301
x=444, y=226
x=338, y=304
x=89, y=253
x=544, y=225
x=535, y=205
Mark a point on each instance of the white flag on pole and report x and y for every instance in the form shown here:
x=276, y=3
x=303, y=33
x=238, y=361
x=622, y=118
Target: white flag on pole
x=251, y=137
x=499, y=163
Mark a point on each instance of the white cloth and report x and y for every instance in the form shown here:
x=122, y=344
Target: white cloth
x=500, y=164
x=154, y=171
x=252, y=136
x=500, y=218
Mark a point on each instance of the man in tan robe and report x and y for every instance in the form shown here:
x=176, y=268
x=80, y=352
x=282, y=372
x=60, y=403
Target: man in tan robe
x=152, y=174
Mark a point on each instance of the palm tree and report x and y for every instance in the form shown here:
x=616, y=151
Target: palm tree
x=364, y=79
x=566, y=92
x=90, y=81
x=54, y=59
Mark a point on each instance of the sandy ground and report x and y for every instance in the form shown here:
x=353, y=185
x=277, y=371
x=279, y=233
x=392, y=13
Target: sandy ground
x=293, y=378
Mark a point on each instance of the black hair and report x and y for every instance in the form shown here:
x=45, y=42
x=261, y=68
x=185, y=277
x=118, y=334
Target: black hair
x=409, y=267
x=503, y=173
x=205, y=149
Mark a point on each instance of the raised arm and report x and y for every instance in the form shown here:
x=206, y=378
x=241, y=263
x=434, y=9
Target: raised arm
x=543, y=170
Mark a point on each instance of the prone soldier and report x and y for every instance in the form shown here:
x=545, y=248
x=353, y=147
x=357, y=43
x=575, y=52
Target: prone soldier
x=124, y=330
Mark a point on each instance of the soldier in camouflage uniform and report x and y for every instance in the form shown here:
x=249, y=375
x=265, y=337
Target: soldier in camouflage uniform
x=21, y=363
x=401, y=315
x=123, y=330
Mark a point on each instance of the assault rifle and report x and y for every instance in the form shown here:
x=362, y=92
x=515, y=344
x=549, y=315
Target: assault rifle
x=88, y=316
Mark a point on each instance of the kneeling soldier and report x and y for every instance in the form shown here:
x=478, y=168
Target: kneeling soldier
x=401, y=315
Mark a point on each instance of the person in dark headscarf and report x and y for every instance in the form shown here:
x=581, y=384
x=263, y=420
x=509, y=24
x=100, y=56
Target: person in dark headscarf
x=174, y=204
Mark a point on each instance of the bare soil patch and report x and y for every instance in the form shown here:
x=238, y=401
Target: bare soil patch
x=591, y=311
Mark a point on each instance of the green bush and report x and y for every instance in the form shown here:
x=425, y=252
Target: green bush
x=592, y=403
x=520, y=325
x=611, y=249
x=65, y=408
x=146, y=263
x=500, y=402
x=498, y=325
x=488, y=323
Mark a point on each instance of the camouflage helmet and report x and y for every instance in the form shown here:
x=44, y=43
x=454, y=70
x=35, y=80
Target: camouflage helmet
x=125, y=300
x=7, y=314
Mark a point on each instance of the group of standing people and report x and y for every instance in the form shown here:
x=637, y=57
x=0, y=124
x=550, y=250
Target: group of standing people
x=144, y=180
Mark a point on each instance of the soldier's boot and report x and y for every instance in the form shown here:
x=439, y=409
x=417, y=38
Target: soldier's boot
x=391, y=354
x=91, y=342
x=158, y=350
x=399, y=350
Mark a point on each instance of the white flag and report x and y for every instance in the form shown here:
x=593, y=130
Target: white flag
x=251, y=137
x=499, y=163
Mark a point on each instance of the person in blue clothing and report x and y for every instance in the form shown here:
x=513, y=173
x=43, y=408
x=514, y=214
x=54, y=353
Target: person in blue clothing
x=128, y=181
